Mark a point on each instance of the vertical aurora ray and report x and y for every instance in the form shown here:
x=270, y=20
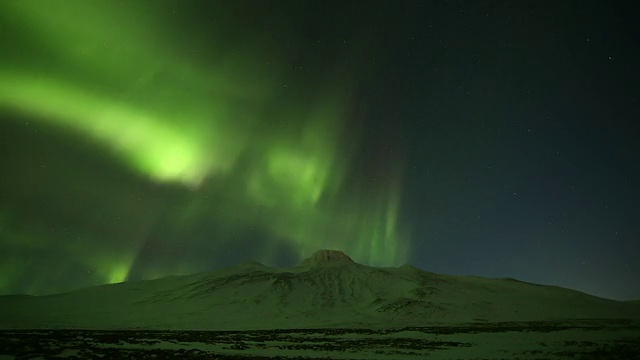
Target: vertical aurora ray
x=216, y=129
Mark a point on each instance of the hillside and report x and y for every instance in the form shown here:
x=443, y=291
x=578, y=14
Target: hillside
x=326, y=290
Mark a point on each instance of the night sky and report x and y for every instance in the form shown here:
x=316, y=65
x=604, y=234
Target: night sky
x=140, y=139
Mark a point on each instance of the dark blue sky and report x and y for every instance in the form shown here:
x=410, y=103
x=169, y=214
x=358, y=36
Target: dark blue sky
x=507, y=131
x=522, y=125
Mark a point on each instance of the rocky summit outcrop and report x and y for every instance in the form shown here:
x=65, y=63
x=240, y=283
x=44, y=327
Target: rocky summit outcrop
x=327, y=258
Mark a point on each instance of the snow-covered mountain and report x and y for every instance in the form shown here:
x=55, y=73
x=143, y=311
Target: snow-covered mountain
x=325, y=290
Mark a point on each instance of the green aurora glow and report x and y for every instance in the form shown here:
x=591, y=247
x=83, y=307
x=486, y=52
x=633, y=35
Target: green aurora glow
x=219, y=127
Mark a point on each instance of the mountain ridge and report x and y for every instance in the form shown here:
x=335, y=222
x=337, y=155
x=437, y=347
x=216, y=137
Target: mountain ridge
x=328, y=289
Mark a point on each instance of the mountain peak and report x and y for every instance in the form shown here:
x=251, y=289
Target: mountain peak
x=327, y=257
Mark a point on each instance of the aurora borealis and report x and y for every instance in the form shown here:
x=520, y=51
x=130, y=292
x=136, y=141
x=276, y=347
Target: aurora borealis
x=225, y=130
x=142, y=139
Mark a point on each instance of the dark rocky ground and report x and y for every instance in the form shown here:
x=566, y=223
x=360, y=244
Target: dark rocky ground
x=410, y=342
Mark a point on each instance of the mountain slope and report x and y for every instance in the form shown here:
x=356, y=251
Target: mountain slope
x=326, y=290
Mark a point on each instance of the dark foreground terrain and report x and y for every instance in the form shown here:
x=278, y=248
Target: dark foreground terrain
x=531, y=340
